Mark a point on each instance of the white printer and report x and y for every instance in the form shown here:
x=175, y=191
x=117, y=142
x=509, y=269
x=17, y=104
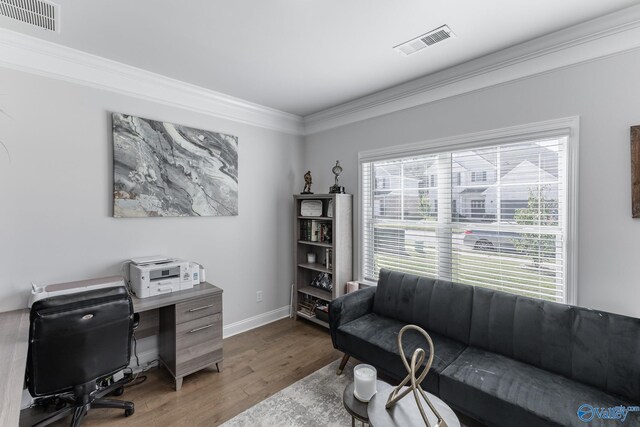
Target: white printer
x=157, y=275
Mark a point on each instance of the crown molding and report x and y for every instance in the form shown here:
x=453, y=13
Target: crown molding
x=608, y=35
x=33, y=55
x=605, y=36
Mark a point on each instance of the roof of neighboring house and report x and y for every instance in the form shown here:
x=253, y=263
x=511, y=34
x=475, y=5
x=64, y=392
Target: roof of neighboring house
x=531, y=152
x=392, y=171
x=474, y=190
x=523, y=168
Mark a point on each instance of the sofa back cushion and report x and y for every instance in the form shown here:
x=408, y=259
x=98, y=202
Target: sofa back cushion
x=530, y=330
x=435, y=305
x=592, y=347
x=606, y=349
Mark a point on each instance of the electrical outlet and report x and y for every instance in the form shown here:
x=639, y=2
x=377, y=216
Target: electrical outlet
x=259, y=296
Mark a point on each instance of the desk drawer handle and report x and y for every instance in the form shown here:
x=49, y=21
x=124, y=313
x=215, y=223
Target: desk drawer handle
x=200, y=328
x=200, y=308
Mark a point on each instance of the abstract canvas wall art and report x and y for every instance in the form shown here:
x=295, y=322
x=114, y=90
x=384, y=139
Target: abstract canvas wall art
x=164, y=169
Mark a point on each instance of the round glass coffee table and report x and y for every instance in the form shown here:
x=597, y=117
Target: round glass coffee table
x=356, y=408
x=405, y=412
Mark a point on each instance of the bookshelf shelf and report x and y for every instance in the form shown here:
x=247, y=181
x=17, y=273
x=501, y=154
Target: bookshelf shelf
x=307, y=242
x=315, y=292
x=316, y=267
x=332, y=237
x=312, y=319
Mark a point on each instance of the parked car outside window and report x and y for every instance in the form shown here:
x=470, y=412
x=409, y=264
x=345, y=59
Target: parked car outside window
x=491, y=240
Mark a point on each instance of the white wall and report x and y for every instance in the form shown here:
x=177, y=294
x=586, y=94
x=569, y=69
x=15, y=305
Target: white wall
x=56, y=197
x=603, y=93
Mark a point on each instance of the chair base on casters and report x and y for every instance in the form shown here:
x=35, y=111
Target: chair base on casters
x=84, y=399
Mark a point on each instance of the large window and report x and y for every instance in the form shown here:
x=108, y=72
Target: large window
x=507, y=227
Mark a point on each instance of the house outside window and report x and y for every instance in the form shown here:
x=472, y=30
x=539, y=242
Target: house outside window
x=510, y=233
x=382, y=183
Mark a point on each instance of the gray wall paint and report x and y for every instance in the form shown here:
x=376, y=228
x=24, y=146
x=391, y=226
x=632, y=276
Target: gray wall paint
x=55, y=194
x=56, y=197
x=603, y=93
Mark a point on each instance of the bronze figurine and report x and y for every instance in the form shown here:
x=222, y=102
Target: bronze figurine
x=307, y=183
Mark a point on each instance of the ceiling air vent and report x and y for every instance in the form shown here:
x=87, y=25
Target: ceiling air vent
x=39, y=13
x=425, y=40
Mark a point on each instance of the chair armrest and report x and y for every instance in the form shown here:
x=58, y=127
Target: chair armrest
x=349, y=307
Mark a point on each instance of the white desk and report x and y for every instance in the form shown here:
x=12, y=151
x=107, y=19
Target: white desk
x=14, y=343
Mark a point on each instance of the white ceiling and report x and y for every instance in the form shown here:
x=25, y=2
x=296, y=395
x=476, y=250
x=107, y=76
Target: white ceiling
x=303, y=56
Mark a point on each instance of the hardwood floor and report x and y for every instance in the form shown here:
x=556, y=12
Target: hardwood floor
x=257, y=364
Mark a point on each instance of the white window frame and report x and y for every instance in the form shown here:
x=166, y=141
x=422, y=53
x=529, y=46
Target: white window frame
x=568, y=127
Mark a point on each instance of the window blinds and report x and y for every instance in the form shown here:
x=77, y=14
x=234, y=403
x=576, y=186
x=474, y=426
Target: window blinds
x=493, y=216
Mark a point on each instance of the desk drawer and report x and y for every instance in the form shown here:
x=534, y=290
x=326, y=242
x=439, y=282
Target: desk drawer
x=199, y=343
x=197, y=308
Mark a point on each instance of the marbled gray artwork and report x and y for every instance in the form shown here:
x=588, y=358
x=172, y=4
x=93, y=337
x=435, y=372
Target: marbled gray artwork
x=164, y=169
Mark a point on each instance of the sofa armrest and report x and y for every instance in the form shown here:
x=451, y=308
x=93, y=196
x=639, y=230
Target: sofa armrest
x=349, y=307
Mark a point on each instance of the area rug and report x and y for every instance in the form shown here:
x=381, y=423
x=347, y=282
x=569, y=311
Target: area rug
x=315, y=400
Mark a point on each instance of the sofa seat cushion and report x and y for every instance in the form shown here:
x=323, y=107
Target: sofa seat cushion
x=501, y=391
x=373, y=339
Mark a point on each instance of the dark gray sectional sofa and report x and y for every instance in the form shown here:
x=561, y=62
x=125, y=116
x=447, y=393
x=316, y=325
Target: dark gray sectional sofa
x=502, y=359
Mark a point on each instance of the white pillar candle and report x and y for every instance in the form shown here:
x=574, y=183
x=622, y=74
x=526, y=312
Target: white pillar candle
x=311, y=258
x=364, y=378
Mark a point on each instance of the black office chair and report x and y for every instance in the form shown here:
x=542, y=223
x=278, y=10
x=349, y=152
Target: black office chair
x=75, y=341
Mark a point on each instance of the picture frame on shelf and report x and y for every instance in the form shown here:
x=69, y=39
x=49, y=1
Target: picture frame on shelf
x=311, y=208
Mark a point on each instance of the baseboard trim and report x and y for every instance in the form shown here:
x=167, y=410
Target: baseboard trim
x=255, y=321
x=145, y=358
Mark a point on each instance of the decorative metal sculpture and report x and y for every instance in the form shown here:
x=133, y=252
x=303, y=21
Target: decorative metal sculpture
x=336, y=188
x=416, y=361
